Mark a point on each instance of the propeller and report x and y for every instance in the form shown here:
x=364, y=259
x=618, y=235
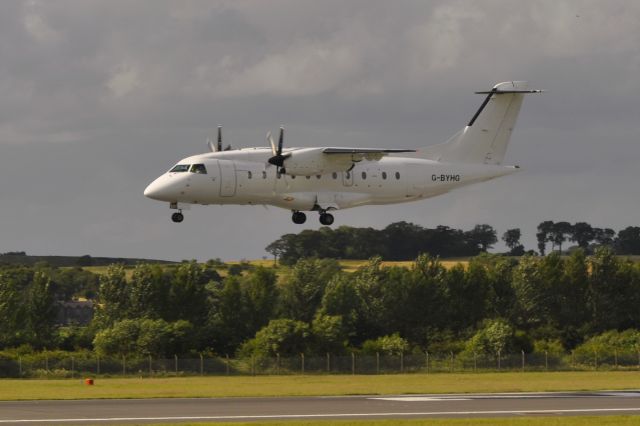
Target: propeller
x=218, y=147
x=278, y=157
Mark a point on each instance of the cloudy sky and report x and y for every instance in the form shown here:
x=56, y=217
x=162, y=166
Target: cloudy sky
x=97, y=98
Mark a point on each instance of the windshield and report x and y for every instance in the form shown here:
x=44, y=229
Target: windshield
x=179, y=168
x=199, y=168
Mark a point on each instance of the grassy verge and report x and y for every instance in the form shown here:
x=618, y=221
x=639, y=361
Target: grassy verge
x=309, y=385
x=522, y=421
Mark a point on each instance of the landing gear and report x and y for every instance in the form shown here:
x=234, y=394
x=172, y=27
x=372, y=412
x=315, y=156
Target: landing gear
x=326, y=218
x=177, y=217
x=298, y=218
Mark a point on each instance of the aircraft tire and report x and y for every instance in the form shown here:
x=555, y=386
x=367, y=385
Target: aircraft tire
x=299, y=218
x=177, y=217
x=326, y=219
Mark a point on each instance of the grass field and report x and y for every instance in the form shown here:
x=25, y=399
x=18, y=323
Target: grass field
x=265, y=386
x=521, y=421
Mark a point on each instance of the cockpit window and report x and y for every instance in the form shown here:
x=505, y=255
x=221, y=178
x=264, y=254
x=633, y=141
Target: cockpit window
x=199, y=168
x=180, y=168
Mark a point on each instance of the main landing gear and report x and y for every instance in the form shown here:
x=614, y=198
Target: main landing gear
x=177, y=217
x=300, y=218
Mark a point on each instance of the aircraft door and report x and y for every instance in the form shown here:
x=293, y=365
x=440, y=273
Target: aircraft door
x=227, y=178
x=347, y=178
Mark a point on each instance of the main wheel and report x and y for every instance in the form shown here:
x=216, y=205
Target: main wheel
x=177, y=217
x=299, y=218
x=326, y=219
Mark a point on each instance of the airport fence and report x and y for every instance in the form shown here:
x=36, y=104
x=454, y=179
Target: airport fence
x=59, y=365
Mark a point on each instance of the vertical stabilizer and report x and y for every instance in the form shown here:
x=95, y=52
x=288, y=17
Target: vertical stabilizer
x=484, y=140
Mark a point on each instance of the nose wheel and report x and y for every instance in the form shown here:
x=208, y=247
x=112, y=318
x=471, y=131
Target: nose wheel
x=177, y=217
x=326, y=218
x=298, y=218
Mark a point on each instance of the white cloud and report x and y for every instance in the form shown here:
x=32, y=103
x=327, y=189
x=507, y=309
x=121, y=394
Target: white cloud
x=37, y=26
x=124, y=79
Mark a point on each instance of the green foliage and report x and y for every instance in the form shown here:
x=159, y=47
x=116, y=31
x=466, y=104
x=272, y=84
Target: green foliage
x=495, y=336
x=387, y=345
x=610, y=342
x=281, y=336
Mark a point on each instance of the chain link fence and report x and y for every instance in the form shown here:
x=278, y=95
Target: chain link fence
x=57, y=366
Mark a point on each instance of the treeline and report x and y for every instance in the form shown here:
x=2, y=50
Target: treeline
x=405, y=241
x=398, y=241
x=495, y=303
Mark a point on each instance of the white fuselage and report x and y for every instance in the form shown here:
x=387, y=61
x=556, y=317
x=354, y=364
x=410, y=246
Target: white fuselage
x=244, y=177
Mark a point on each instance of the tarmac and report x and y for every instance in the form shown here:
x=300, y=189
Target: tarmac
x=176, y=410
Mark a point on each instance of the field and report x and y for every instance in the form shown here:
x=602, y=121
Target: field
x=309, y=385
x=523, y=421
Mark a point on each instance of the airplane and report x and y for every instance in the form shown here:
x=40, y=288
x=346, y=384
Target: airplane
x=326, y=179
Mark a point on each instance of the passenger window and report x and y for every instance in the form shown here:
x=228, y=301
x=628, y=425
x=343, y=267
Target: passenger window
x=249, y=175
x=335, y=175
x=364, y=175
x=180, y=168
x=293, y=176
x=317, y=176
x=308, y=177
x=397, y=175
x=199, y=168
x=384, y=175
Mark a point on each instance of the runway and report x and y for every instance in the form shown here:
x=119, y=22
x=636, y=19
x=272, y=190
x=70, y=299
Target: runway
x=123, y=411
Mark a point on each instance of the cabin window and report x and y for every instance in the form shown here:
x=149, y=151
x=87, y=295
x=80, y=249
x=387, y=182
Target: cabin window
x=384, y=175
x=264, y=175
x=317, y=176
x=180, y=168
x=199, y=168
x=308, y=177
x=334, y=175
x=249, y=175
x=293, y=176
x=364, y=175
x=397, y=175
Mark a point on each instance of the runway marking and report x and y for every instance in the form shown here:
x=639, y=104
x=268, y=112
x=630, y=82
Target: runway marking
x=303, y=416
x=420, y=398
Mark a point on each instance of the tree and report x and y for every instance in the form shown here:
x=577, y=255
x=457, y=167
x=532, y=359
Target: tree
x=544, y=231
x=148, y=291
x=113, y=297
x=559, y=233
x=484, y=236
x=582, y=233
x=187, y=294
x=40, y=311
x=260, y=294
x=628, y=241
x=495, y=336
x=604, y=236
x=277, y=249
x=512, y=239
x=280, y=336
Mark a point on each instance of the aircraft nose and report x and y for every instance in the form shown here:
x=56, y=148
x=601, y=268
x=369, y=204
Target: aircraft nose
x=156, y=190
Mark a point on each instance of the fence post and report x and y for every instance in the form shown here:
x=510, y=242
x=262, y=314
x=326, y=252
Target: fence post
x=451, y=353
x=499, y=360
x=573, y=360
x=427, y=360
x=475, y=361
x=278, y=363
x=377, y=362
x=46, y=363
x=546, y=361
x=401, y=362
x=639, y=359
x=175, y=357
x=328, y=362
x=124, y=366
x=20, y=366
x=227, y=363
x=595, y=359
x=615, y=359
x=201, y=365
x=98, y=365
x=302, y=361
x=150, y=366
x=522, y=351
x=72, y=367
x=353, y=363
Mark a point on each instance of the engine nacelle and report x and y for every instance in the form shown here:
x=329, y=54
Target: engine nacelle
x=312, y=161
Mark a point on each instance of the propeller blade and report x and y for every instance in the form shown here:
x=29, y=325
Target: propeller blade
x=219, y=138
x=212, y=147
x=281, y=140
x=272, y=143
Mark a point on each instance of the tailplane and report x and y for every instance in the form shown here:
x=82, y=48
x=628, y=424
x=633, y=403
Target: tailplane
x=484, y=140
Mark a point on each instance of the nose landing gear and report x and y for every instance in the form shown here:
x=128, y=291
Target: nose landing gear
x=177, y=217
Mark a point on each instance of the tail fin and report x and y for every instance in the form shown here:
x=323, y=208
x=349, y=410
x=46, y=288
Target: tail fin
x=487, y=135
